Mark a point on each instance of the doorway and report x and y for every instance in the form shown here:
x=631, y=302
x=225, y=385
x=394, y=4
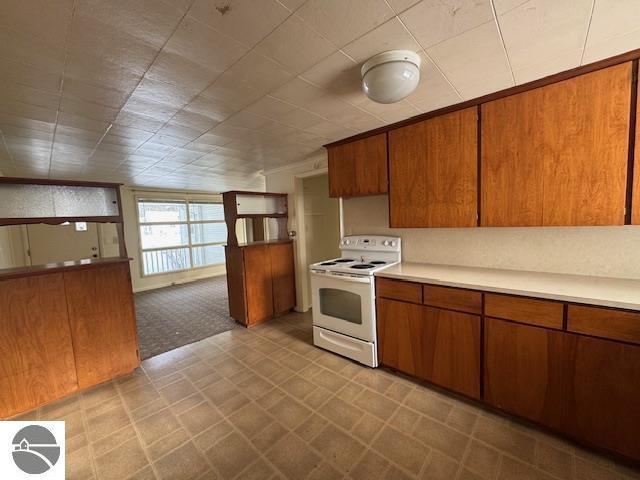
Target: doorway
x=321, y=222
x=58, y=243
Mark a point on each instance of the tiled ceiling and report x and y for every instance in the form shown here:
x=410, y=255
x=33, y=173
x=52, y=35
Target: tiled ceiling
x=176, y=94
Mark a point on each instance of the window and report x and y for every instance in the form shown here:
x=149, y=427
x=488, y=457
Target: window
x=180, y=234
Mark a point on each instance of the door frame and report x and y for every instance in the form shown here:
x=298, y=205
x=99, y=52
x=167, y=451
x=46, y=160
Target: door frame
x=302, y=267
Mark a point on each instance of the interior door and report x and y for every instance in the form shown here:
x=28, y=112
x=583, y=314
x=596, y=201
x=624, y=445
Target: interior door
x=57, y=243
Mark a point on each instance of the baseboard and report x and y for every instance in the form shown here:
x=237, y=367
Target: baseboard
x=176, y=282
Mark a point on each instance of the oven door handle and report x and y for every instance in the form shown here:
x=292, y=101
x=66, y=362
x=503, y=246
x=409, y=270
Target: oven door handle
x=345, y=277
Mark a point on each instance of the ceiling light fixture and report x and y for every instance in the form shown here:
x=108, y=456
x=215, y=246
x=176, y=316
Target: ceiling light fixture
x=390, y=76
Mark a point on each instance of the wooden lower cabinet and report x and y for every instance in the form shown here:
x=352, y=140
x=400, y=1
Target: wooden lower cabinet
x=103, y=327
x=581, y=386
x=65, y=331
x=441, y=346
x=453, y=350
x=402, y=337
x=602, y=398
x=523, y=370
x=258, y=284
x=283, y=277
x=37, y=364
x=260, y=281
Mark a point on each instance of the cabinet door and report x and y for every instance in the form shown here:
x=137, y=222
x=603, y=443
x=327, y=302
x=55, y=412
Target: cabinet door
x=283, y=277
x=402, y=337
x=452, y=350
x=433, y=172
x=37, y=363
x=635, y=199
x=359, y=167
x=103, y=322
x=523, y=370
x=604, y=394
x=557, y=155
x=259, y=289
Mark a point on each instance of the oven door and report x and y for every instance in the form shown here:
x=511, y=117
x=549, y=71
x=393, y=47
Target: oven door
x=344, y=304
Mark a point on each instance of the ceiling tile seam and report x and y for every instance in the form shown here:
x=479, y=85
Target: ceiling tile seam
x=143, y=76
x=6, y=147
x=429, y=57
x=586, y=35
x=251, y=49
x=61, y=87
x=504, y=47
x=289, y=9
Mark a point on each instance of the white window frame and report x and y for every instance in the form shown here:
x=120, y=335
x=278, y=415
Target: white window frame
x=186, y=199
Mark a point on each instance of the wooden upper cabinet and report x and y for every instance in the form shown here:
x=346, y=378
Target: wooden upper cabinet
x=557, y=155
x=433, y=172
x=359, y=168
x=635, y=199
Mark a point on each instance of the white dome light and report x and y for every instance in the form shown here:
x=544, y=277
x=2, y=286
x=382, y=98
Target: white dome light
x=390, y=76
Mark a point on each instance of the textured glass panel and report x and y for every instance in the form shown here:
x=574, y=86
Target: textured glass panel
x=206, y=211
x=162, y=212
x=341, y=304
x=85, y=201
x=208, y=233
x=35, y=201
x=258, y=205
x=209, y=255
x=163, y=261
x=26, y=201
x=161, y=236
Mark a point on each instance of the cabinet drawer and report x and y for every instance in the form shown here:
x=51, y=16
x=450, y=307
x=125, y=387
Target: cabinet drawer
x=603, y=322
x=399, y=290
x=453, y=298
x=525, y=310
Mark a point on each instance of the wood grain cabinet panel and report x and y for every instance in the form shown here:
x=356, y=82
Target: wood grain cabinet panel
x=541, y=313
x=604, y=322
x=283, y=277
x=433, y=172
x=635, y=198
x=399, y=290
x=37, y=364
x=359, y=168
x=258, y=283
x=523, y=371
x=557, y=155
x=603, y=394
x=103, y=327
x=469, y=301
x=452, y=350
x=402, y=337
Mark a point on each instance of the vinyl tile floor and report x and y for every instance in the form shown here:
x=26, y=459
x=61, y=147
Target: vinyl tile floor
x=266, y=404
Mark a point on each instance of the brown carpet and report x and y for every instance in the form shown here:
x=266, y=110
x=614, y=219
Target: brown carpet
x=174, y=316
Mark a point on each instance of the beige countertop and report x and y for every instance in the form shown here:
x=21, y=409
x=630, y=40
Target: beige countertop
x=604, y=291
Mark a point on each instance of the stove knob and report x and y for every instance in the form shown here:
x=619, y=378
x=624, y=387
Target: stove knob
x=392, y=243
x=347, y=242
x=385, y=243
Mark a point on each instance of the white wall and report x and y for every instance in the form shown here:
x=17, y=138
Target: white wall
x=289, y=180
x=600, y=251
x=132, y=238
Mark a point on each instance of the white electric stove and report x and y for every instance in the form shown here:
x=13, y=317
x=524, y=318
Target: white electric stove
x=343, y=295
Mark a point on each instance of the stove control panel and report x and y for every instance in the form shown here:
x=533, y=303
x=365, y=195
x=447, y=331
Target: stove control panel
x=376, y=243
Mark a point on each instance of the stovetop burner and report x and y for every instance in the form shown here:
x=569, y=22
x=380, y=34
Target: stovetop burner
x=363, y=266
x=344, y=260
x=328, y=264
x=377, y=262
